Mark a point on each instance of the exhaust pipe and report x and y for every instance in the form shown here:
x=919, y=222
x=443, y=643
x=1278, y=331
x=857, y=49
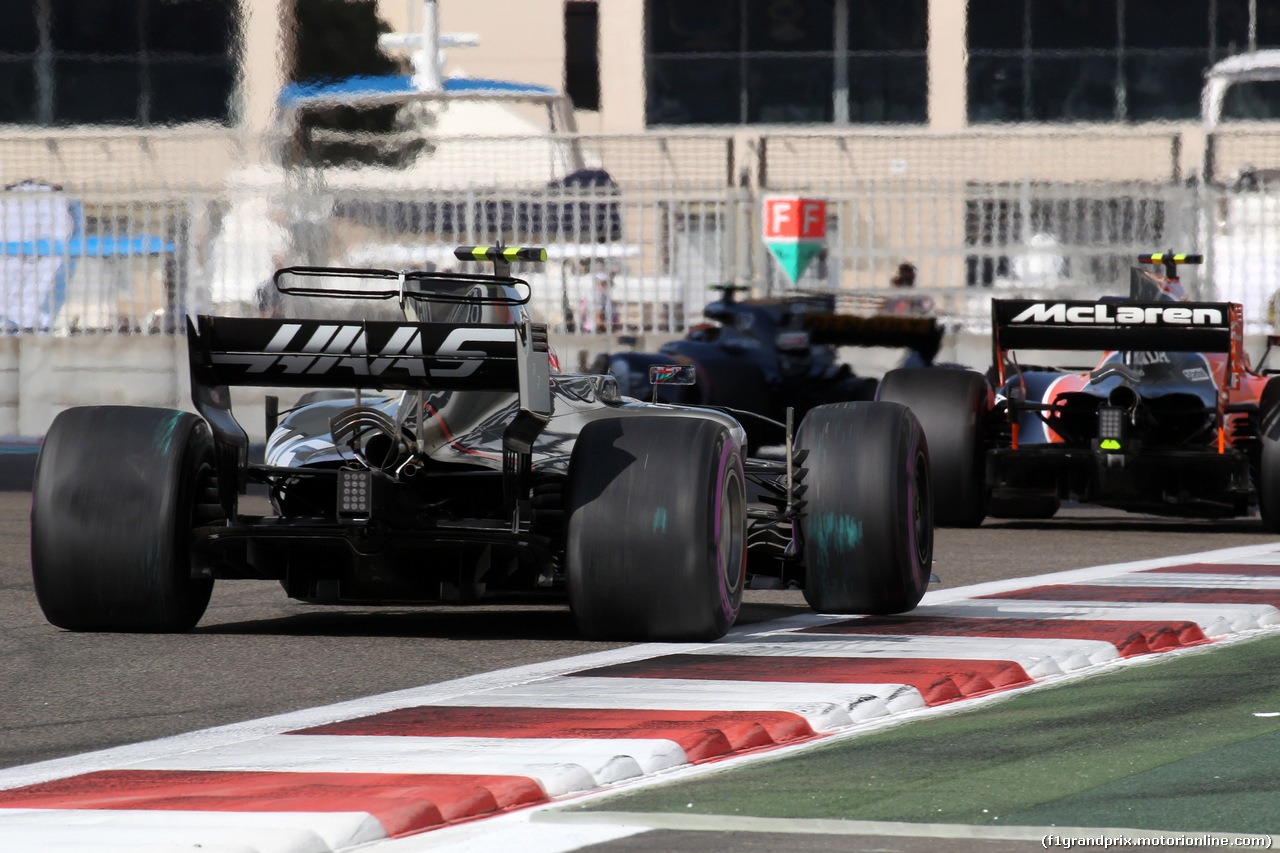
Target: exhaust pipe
x=1124, y=397
x=376, y=440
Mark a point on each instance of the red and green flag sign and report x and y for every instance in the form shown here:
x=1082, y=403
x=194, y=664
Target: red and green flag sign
x=795, y=230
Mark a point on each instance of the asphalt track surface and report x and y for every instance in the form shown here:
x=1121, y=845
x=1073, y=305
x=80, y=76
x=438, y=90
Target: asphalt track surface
x=256, y=653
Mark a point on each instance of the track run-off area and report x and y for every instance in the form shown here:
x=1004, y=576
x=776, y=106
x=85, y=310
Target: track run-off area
x=1072, y=681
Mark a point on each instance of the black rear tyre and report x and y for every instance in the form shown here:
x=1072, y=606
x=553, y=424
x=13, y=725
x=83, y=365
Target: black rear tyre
x=1268, y=485
x=657, y=529
x=867, y=531
x=951, y=406
x=117, y=491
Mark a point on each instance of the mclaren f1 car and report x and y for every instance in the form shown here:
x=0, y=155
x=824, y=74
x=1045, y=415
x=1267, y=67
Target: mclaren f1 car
x=1172, y=421
x=760, y=357
x=439, y=456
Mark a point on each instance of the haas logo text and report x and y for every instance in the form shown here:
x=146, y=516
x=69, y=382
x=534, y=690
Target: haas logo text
x=335, y=347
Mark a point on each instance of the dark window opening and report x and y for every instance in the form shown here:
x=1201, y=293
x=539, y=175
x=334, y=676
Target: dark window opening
x=1103, y=60
x=117, y=62
x=786, y=62
x=582, y=53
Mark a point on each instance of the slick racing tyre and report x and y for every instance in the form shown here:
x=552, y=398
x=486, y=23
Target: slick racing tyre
x=117, y=491
x=1268, y=485
x=867, y=531
x=656, y=544
x=951, y=406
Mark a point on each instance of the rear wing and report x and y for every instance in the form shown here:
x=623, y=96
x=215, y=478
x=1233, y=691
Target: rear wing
x=234, y=351
x=922, y=334
x=1126, y=326
x=359, y=355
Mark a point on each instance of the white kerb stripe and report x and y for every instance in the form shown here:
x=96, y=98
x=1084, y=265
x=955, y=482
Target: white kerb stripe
x=1190, y=579
x=1215, y=620
x=561, y=765
x=825, y=706
x=524, y=838
x=1270, y=558
x=1052, y=655
x=130, y=830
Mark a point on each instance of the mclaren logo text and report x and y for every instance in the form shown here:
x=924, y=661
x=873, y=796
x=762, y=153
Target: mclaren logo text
x=1104, y=313
x=344, y=347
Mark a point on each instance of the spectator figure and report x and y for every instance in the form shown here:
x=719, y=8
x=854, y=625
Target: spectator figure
x=913, y=305
x=37, y=226
x=598, y=313
x=253, y=241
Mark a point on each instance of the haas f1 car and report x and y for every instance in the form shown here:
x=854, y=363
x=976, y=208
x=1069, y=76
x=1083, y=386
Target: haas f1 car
x=439, y=458
x=763, y=356
x=1172, y=421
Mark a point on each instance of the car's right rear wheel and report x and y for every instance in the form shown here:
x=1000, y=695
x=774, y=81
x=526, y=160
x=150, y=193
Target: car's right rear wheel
x=867, y=531
x=656, y=540
x=951, y=406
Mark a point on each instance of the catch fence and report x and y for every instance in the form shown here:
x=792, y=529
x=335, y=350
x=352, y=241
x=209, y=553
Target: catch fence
x=643, y=224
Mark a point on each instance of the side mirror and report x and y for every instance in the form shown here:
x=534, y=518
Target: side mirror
x=792, y=341
x=673, y=374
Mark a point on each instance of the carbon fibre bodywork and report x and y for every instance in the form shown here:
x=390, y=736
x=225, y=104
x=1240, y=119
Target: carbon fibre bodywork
x=763, y=356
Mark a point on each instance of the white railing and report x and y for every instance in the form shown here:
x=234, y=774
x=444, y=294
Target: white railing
x=681, y=214
x=143, y=260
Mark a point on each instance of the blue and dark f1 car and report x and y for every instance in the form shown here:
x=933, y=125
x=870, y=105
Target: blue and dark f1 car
x=1172, y=421
x=763, y=356
x=440, y=458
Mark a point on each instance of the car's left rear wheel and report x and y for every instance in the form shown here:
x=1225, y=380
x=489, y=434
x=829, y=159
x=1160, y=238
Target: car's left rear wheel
x=117, y=492
x=656, y=541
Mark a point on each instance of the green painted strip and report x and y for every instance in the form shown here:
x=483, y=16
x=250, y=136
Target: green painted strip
x=1135, y=747
x=1233, y=785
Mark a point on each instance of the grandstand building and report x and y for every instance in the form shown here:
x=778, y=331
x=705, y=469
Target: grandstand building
x=654, y=65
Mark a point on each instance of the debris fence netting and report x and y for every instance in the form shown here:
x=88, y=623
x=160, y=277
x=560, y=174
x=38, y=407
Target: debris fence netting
x=129, y=233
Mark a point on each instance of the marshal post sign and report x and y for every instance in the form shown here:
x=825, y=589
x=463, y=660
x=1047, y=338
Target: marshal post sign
x=795, y=230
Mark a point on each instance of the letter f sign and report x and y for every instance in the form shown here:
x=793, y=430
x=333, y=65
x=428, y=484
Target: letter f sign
x=781, y=216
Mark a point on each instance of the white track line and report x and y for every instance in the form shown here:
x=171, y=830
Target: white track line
x=1194, y=580
x=560, y=765
x=1215, y=620
x=501, y=835
x=1257, y=554
x=1052, y=656
x=826, y=707
x=104, y=830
